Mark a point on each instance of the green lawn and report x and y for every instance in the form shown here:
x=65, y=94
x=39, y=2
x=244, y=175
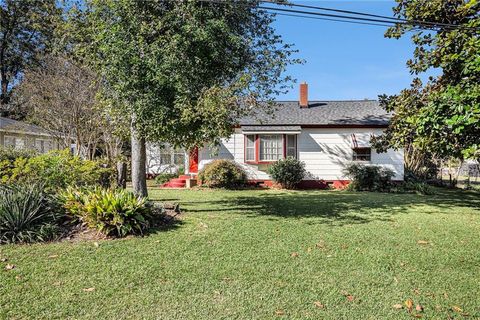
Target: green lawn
x=264, y=255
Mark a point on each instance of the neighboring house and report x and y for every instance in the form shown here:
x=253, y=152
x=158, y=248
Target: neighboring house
x=325, y=135
x=21, y=135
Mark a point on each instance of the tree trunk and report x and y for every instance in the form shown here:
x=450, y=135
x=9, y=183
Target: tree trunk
x=139, y=157
x=121, y=174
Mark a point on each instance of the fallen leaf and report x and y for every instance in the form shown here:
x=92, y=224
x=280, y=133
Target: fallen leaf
x=457, y=309
x=320, y=245
x=3, y=260
x=157, y=241
x=347, y=295
x=309, y=250
x=96, y=244
x=419, y=308
x=19, y=277
x=318, y=304
x=416, y=291
x=409, y=304
x=294, y=254
x=417, y=315
x=53, y=256
x=422, y=242
x=89, y=289
x=58, y=283
x=279, y=312
x=9, y=267
x=398, y=306
x=395, y=279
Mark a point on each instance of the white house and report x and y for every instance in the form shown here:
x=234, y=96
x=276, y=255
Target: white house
x=325, y=135
x=21, y=135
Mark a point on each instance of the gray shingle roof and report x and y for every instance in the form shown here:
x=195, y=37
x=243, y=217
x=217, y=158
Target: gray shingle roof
x=271, y=128
x=361, y=112
x=22, y=127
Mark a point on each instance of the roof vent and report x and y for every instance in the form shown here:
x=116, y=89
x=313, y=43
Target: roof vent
x=303, y=95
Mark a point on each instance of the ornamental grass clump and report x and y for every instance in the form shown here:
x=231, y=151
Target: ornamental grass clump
x=28, y=214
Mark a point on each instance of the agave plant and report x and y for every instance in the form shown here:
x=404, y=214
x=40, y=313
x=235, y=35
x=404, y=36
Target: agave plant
x=27, y=214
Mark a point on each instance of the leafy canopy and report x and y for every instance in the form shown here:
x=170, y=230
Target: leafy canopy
x=26, y=30
x=441, y=117
x=186, y=70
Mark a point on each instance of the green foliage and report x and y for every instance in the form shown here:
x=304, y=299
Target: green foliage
x=441, y=118
x=27, y=29
x=194, y=99
x=10, y=154
x=416, y=187
x=369, y=178
x=55, y=170
x=181, y=170
x=111, y=212
x=287, y=172
x=27, y=214
x=164, y=177
x=223, y=174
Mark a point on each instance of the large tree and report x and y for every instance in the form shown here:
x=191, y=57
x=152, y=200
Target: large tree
x=184, y=71
x=442, y=117
x=26, y=30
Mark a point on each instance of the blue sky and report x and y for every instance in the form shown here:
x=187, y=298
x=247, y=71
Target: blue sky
x=346, y=61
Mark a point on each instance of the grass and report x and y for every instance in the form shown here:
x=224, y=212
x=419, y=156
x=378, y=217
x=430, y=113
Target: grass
x=264, y=255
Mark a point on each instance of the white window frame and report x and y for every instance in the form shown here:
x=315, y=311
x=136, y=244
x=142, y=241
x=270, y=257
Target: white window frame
x=291, y=148
x=18, y=142
x=356, y=156
x=12, y=140
x=271, y=149
x=250, y=138
x=46, y=145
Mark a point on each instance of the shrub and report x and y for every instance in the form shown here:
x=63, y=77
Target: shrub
x=417, y=187
x=181, y=170
x=223, y=174
x=164, y=177
x=287, y=172
x=55, y=170
x=111, y=212
x=27, y=214
x=10, y=154
x=369, y=178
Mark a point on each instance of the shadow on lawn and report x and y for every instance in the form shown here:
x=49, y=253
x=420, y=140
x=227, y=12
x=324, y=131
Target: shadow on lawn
x=337, y=208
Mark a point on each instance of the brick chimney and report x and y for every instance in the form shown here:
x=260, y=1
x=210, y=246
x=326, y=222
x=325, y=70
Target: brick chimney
x=303, y=95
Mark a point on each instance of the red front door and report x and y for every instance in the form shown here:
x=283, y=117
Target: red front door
x=193, y=163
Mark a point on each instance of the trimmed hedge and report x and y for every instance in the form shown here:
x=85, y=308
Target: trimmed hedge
x=223, y=174
x=287, y=172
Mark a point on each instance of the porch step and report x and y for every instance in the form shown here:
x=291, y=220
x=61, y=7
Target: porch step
x=180, y=182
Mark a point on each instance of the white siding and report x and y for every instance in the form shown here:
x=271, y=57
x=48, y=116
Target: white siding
x=325, y=151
